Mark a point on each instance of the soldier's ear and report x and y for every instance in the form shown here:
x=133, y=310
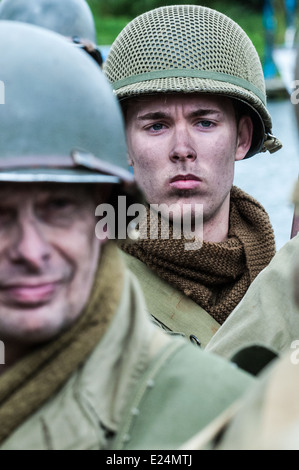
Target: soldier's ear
x=130, y=160
x=244, y=137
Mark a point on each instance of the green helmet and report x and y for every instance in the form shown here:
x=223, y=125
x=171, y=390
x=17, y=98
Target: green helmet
x=189, y=48
x=70, y=18
x=66, y=17
x=59, y=119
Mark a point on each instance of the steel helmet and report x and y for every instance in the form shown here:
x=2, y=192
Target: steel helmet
x=190, y=48
x=59, y=119
x=70, y=18
x=66, y=17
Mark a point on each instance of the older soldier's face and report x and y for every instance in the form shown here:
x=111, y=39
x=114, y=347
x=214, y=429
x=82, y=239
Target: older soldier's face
x=48, y=258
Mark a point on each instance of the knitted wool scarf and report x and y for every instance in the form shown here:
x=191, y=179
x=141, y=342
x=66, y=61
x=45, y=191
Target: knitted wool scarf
x=217, y=275
x=34, y=379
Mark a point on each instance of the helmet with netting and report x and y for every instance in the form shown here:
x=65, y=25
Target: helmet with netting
x=189, y=48
x=59, y=119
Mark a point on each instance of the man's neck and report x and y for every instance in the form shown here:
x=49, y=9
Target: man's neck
x=216, y=228
x=215, y=233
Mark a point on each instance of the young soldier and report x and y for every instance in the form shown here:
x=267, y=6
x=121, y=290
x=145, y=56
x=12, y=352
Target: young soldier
x=192, y=90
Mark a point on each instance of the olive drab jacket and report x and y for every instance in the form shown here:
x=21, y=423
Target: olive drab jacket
x=170, y=308
x=267, y=315
x=139, y=389
x=266, y=418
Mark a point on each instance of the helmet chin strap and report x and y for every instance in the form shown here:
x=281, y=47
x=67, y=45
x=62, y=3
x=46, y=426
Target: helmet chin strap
x=271, y=143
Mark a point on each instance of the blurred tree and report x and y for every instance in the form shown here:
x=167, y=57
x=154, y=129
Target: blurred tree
x=270, y=25
x=112, y=15
x=136, y=7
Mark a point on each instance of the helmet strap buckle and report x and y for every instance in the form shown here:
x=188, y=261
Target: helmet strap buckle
x=271, y=143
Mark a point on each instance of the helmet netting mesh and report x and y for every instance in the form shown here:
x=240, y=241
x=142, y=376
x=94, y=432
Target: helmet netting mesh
x=187, y=37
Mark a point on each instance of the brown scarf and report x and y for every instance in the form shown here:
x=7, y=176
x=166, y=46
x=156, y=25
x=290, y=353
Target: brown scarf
x=217, y=275
x=33, y=380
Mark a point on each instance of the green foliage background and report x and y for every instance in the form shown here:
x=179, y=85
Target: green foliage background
x=136, y=7
x=112, y=15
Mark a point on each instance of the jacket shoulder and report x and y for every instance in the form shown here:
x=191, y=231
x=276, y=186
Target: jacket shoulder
x=186, y=388
x=172, y=310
